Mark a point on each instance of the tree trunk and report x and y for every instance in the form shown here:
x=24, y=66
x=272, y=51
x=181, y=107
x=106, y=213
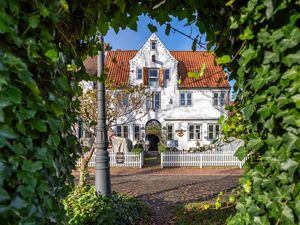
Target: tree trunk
x=83, y=170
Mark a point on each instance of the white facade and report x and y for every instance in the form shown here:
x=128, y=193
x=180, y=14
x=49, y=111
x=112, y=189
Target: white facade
x=191, y=118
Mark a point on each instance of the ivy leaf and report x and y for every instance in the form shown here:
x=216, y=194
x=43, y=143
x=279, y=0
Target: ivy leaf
x=3, y=195
x=247, y=35
x=1, y=116
x=168, y=28
x=296, y=99
x=233, y=22
x=18, y=203
x=248, y=111
x=288, y=213
x=194, y=44
x=254, y=144
x=31, y=167
x=289, y=165
x=7, y=132
x=230, y=2
x=223, y=60
x=152, y=28
x=52, y=54
x=34, y=21
x=241, y=153
x=39, y=125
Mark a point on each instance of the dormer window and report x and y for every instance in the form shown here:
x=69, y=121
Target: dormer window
x=153, y=45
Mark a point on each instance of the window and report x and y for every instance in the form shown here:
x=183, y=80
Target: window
x=195, y=131
x=122, y=131
x=170, y=133
x=218, y=99
x=213, y=131
x=148, y=102
x=167, y=74
x=222, y=100
x=215, y=99
x=136, y=132
x=153, y=77
x=156, y=100
x=139, y=74
x=125, y=100
x=153, y=45
x=185, y=98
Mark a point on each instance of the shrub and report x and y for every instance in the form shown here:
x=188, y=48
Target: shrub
x=162, y=148
x=84, y=206
x=137, y=149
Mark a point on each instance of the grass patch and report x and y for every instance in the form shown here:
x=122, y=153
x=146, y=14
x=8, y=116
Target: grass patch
x=195, y=214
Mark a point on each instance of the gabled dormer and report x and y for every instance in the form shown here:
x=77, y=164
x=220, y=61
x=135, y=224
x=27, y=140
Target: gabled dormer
x=153, y=64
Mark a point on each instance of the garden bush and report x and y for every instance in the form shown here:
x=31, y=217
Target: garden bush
x=84, y=206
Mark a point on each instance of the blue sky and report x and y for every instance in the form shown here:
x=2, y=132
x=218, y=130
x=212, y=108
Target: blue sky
x=131, y=40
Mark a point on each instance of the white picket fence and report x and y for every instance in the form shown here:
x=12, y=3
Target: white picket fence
x=130, y=160
x=200, y=159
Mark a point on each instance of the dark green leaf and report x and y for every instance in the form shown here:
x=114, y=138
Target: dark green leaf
x=34, y=21
x=152, y=28
x=39, y=125
x=32, y=167
x=7, y=132
x=168, y=28
x=241, y=153
x=3, y=195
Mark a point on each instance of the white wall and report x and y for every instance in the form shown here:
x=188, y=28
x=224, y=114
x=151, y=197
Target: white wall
x=202, y=110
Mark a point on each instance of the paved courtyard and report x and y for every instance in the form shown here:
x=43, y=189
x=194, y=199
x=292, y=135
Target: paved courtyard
x=163, y=189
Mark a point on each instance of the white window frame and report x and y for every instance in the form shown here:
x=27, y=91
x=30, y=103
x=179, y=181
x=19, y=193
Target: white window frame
x=122, y=132
x=151, y=45
x=184, y=102
x=148, y=102
x=165, y=74
x=153, y=83
x=125, y=100
x=139, y=73
x=196, y=135
x=135, y=133
x=215, y=132
x=170, y=133
x=155, y=94
x=218, y=98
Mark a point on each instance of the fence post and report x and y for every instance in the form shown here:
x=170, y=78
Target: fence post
x=162, y=160
x=201, y=160
x=241, y=165
x=141, y=159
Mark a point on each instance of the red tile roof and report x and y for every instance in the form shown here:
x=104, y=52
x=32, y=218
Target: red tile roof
x=214, y=76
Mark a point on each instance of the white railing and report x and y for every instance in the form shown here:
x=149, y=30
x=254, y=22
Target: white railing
x=200, y=159
x=130, y=160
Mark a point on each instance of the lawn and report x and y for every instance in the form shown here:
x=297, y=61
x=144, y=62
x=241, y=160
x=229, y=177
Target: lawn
x=195, y=214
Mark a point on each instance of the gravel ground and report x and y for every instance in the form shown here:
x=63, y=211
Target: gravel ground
x=163, y=189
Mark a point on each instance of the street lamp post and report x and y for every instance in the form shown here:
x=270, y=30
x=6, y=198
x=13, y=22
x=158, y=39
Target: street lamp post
x=102, y=178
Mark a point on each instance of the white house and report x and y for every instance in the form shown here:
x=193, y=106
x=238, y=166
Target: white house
x=188, y=108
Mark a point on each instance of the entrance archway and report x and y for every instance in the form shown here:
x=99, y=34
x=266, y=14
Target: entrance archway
x=153, y=134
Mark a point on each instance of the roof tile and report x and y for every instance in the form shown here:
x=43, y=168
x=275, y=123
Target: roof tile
x=118, y=68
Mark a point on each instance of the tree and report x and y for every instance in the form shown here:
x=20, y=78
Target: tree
x=123, y=101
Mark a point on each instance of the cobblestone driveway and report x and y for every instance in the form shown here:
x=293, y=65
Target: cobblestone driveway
x=163, y=189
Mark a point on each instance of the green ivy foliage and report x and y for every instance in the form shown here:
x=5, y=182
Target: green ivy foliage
x=84, y=206
x=268, y=86
x=43, y=44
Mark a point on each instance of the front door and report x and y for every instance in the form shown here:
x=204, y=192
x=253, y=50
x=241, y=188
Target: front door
x=153, y=142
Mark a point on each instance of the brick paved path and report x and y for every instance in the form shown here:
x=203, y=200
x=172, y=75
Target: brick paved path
x=165, y=188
